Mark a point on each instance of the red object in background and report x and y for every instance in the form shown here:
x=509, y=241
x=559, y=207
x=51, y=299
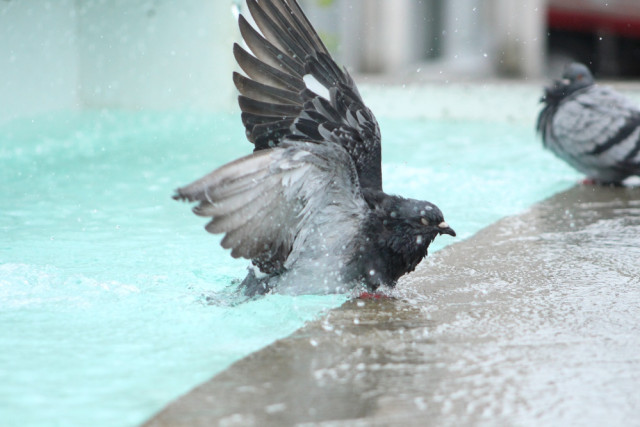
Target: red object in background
x=620, y=18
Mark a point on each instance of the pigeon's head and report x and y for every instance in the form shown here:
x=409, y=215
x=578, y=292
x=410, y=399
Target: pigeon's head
x=423, y=217
x=577, y=76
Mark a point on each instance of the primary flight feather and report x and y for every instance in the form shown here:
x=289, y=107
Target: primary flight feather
x=307, y=207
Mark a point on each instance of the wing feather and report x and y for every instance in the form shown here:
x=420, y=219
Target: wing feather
x=253, y=106
x=261, y=92
x=265, y=51
x=274, y=29
x=263, y=73
x=272, y=204
x=285, y=50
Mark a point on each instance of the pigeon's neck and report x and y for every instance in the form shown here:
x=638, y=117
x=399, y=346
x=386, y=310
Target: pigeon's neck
x=395, y=247
x=559, y=91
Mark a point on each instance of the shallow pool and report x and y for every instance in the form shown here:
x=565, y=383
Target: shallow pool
x=113, y=298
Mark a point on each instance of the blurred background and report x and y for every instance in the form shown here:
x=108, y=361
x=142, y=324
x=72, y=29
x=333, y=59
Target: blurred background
x=176, y=54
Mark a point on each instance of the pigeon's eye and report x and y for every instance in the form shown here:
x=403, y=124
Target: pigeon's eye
x=424, y=221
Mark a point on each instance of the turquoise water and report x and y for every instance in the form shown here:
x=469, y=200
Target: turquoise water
x=114, y=300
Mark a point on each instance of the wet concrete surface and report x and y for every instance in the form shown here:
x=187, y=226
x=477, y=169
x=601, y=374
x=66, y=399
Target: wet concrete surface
x=533, y=321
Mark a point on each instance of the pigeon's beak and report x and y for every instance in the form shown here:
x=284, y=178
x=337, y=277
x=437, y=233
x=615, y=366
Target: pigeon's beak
x=443, y=228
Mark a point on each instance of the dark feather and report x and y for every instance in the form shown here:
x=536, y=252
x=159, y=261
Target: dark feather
x=250, y=120
x=261, y=92
x=249, y=105
x=269, y=134
x=267, y=52
x=276, y=31
x=322, y=74
x=287, y=49
x=264, y=73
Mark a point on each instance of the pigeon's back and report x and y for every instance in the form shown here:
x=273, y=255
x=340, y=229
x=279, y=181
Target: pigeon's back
x=597, y=131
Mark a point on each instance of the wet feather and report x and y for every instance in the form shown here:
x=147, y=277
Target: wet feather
x=307, y=207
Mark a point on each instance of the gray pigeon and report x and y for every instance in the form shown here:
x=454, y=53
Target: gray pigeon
x=307, y=207
x=593, y=128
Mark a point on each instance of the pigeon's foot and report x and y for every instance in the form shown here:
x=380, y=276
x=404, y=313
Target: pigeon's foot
x=373, y=295
x=593, y=181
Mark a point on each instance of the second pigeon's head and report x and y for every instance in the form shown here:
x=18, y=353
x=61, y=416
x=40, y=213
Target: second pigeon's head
x=577, y=76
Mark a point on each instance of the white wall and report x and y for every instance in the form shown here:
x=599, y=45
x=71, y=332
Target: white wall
x=38, y=63
x=372, y=35
x=519, y=30
x=146, y=54
x=475, y=38
x=176, y=54
x=160, y=54
x=396, y=39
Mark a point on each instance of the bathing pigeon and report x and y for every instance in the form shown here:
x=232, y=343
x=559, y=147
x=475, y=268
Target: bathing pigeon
x=593, y=128
x=307, y=207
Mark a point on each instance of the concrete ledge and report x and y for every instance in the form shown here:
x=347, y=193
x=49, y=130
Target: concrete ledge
x=533, y=321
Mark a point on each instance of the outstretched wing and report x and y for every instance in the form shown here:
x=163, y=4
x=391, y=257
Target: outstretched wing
x=597, y=127
x=276, y=101
x=276, y=205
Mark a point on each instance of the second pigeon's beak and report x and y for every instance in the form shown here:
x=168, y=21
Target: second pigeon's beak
x=443, y=228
